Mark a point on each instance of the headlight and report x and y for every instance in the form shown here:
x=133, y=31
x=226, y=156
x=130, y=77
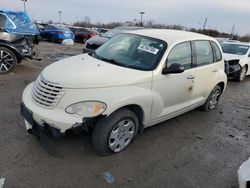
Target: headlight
x=87, y=108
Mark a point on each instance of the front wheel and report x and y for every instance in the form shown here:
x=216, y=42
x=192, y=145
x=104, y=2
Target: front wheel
x=8, y=60
x=212, y=99
x=114, y=133
x=240, y=75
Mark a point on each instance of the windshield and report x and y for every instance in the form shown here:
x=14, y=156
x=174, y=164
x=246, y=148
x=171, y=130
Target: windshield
x=236, y=49
x=132, y=51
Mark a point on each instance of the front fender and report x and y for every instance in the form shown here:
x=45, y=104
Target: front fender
x=114, y=97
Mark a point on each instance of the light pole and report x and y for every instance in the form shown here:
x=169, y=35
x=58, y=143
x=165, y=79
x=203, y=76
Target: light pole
x=141, y=13
x=60, y=17
x=24, y=5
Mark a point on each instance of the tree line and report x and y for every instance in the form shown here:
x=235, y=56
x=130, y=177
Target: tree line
x=151, y=24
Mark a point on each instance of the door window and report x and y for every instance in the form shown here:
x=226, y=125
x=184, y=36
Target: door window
x=181, y=54
x=204, y=53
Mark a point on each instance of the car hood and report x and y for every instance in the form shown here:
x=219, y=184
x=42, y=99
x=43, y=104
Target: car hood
x=97, y=40
x=229, y=57
x=84, y=71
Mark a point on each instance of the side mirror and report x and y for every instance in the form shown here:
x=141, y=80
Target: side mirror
x=175, y=68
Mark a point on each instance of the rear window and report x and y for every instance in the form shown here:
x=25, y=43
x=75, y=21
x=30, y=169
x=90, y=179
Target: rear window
x=217, y=51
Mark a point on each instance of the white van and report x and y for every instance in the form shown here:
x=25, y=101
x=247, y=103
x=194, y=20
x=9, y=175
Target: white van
x=135, y=80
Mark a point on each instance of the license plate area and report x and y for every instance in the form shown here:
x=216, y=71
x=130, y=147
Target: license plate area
x=27, y=114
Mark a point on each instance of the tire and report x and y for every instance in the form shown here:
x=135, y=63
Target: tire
x=240, y=75
x=212, y=99
x=8, y=60
x=114, y=133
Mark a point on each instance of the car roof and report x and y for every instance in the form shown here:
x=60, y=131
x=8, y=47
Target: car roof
x=171, y=36
x=128, y=27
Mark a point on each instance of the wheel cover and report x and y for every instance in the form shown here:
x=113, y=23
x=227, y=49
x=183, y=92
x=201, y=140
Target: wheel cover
x=6, y=61
x=214, y=99
x=121, y=135
x=243, y=73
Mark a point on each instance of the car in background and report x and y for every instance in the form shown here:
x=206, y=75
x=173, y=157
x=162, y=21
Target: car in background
x=95, y=42
x=56, y=33
x=135, y=80
x=18, y=37
x=101, y=30
x=83, y=34
x=237, y=59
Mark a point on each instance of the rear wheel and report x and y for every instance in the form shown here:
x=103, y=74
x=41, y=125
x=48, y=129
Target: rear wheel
x=240, y=75
x=8, y=60
x=212, y=99
x=114, y=134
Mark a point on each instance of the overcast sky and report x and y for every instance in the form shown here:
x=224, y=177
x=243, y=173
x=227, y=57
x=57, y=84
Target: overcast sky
x=221, y=14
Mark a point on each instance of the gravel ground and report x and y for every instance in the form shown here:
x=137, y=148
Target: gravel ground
x=197, y=149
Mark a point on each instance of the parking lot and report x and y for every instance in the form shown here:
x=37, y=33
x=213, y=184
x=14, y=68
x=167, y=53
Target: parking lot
x=197, y=149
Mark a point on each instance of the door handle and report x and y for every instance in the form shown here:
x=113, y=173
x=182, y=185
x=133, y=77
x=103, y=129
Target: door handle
x=215, y=70
x=190, y=77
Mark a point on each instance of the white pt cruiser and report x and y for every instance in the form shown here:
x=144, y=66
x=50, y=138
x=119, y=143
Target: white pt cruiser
x=135, y=80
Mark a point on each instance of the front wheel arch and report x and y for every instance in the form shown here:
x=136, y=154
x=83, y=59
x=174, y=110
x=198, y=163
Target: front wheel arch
x=139, y=112
x=103, y=130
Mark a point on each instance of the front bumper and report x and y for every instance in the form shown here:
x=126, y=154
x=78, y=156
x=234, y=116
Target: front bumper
x=33, y=127
x=52, y=119
x=232, y=69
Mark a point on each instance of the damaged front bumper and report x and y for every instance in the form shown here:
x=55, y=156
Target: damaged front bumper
x=44, y=132
x=56, y=118
x=33, y=127
x=232, y=67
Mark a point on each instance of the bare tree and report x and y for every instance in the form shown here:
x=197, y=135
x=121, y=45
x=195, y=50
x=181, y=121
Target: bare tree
x=87, y=21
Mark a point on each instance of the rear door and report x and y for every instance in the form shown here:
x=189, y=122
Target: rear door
x=206, y=76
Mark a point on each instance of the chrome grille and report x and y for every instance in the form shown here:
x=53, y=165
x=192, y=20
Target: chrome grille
x=46, y=94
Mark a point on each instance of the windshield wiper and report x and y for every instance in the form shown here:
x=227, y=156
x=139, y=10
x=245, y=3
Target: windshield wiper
x=112, y=61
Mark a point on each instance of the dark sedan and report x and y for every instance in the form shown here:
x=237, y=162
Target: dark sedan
x=93, y=43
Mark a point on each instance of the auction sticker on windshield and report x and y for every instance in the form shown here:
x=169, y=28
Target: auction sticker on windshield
x=149, y=49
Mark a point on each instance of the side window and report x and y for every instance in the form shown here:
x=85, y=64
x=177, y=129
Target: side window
x=2, y=21
x=204, y=52
x=217, y=51
x=181, y=54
